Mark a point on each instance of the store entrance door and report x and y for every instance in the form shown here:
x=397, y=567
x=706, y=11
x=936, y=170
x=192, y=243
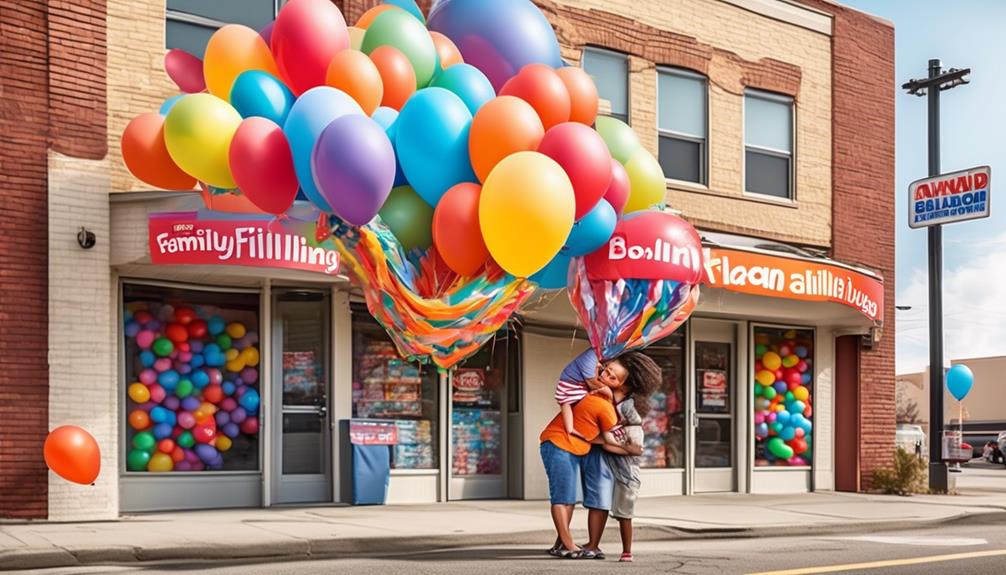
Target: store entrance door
x=711, y=446
x=300, y=388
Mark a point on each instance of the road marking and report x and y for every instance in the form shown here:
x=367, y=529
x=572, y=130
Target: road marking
x=920, y=541
x=881, y=564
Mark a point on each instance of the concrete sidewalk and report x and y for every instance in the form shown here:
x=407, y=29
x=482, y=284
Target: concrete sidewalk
x=303, y=532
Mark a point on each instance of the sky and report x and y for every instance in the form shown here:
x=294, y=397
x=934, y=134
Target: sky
x=963, y=34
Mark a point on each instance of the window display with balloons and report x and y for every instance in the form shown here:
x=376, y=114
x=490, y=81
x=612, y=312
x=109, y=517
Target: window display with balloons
x=192, y=380
x=664, y=425
x=783, y=396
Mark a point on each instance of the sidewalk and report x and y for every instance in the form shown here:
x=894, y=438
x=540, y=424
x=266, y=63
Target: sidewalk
x=302, y=532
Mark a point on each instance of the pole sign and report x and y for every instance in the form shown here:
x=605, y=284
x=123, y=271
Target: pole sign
x=948, y=198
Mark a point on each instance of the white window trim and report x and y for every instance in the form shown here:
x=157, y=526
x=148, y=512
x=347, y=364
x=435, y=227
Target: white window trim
x=628, y=72
x=791, y=102
x=706, y=159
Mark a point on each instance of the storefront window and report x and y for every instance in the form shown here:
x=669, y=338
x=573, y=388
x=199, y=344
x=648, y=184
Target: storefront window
x=783, y=396
x=664, y=426
x=387, y=387
x=192, y=379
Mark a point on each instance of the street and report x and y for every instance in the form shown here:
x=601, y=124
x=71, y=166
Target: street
x=977, y=547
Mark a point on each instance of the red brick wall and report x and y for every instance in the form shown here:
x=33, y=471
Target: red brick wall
x=52, y=93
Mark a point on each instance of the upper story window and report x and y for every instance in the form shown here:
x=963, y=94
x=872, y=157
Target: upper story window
x=190, y=23
x=610, y=71
x=682, y=125
x=768, y=144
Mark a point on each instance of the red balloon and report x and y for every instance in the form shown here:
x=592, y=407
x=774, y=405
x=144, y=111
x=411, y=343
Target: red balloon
x=584, y=156
x=617, y=193
x=213, y=393
x=143, y=317
x=166, y=446
x=792, y=376
x=177, y=454
x=185, y=70
x=799, y=445
x=73, y=454
x=650, y=245
x=176, y=332
x=540, y=86
x=197, y=329
x=305, y=37
x=205, y=432
x=778, y=375
x=456, y=232
x=801, y=366
x=800, y=432
x=758, y=366
x=185, y=315
x=250, y=426
x=262, y=165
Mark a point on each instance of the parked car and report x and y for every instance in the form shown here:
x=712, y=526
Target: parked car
x=911, y=438
x=1001, y=444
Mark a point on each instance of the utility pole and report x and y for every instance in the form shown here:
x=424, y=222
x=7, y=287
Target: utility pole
x=937, y=81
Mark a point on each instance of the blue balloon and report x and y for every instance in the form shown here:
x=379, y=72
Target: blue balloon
x=784, y=417
x=258, y=93
x=168, y=104
x=147, y=358
x=555, y=274
x=387, y=118
x=313, y=111
x=409, y=6
x=761, y=430
x=132, y=328
x=162, y=431
x=190, y=403
x=228, y=387
x=168, y=380
x=432, y=142
x=159, y=414
x=787, y=433
x=959, y=381
x=250, y=401
x=592, y=230
x=805, y=377
x=216, y=325
x=800, y=351
x=779, y=387
x=200, y=379
x=197, y=360
x=468, y=82
x=796, y=407
x=498, y=37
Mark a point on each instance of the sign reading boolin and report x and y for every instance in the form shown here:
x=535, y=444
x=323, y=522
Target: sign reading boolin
x=948, y=198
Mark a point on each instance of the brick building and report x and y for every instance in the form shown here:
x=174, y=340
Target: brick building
x=773, y=118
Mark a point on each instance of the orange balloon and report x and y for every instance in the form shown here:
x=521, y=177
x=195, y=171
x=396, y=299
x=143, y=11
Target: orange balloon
x=355, y=74
x=397, y=75
x=146, y=155
x=446, y=50
x=501, y=127
x=234, y=49
x=73, y=454
x=582, y=94
x=368, y=17
x=540, y=86
x=456, y=230
x=139, y=420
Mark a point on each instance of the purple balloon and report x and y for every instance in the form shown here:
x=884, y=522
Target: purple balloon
x=232, y=430
x=191, y=456
x=195, y=346
x=223, y=418
x=171, y=402
x=249, y=374
x=206, y=452
x=499, y=37
x=354, y=167
x=183, y=466
x=190, y=403
x=132, y=328
x=266, y=33
x=228, y=404
x=239, y=414
x=198, y=466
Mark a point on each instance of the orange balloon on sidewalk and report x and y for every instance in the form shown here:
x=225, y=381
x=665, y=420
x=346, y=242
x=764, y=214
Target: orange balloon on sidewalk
x=582, y=94
x=503, y=126
x=73, y=454
x=146, y=154
x=446, y=50
x=355, y=74
x=397, y=76
x=540, y=86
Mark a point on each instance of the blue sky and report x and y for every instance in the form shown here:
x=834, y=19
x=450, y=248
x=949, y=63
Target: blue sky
x=964, y=34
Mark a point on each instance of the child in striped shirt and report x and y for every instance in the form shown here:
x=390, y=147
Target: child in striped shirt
x=581, y=377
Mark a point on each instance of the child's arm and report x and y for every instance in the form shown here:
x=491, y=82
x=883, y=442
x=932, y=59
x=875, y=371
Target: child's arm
x=622, y=449
x=603, y=391
x=567, y=420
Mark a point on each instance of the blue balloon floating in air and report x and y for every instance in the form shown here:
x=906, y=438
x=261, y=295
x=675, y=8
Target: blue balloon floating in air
x=959, y=381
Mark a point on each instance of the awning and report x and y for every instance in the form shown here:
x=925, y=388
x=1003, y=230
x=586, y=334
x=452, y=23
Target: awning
x=762, y=267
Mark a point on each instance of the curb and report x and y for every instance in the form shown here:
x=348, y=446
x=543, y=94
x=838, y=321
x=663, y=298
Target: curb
x=301, y=549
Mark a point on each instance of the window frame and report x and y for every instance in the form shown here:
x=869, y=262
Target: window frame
x=628, y=84
x=704, y=156
x=791, y=196
x=197, y=20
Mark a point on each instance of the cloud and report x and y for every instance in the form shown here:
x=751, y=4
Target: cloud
x=974, y=307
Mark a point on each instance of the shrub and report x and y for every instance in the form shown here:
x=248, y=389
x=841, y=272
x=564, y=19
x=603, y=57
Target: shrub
x=909, y=475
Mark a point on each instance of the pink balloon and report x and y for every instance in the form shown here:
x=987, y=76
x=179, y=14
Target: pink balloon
x=145, y=339
x=186, y=420
x=185, y=70
x=249, y=375
x=148, y=376
x=157, y=393
x=305, y=37
x=262, y=165
x=216, y=377
x=185, y=357
x=250, y=426
x=228, y=404
x=163, y=364
x=759, y=417
x=584, y=156
x=618, y=190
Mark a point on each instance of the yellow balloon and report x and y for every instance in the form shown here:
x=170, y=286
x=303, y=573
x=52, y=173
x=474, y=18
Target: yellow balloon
x=790, y=361
x=223, y=443
x=526, y=212
x=236, y=330
x=771, y=360
x=250, y=356
x=801, y=393
x=231, y=50
x=355, y=37
x=765, y=377
x=160, y=462
x=198, y=133
x=235, y=365
x=790, y=334
x=646, y=181
x=231, y=354
x=138, y=392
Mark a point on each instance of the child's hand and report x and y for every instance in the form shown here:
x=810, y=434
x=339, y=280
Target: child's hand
x=605, y=391
x=575, y=433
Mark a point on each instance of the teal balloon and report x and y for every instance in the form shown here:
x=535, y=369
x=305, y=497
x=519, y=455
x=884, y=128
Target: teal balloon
x=258, y=93
x=592, y=231
x=555, y=274
x=387, y=118
x=169, y=103
x=409, y=217
x=409, y=6
x=959, y=381
x=468, y=82
x=400, y=29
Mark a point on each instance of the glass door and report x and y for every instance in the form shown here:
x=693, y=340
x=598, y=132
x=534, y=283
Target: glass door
x=713, y=361
x=303, y=457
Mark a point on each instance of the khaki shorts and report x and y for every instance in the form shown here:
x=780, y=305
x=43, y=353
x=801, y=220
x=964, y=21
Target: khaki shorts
x=623, y=501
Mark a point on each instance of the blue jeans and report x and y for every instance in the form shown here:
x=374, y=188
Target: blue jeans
x=562, y=468
x=598, y=482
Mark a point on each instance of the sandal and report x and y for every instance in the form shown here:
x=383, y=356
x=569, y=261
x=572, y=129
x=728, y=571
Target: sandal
x=593, y=553
x=567, y=554
x=625, y=558
x=554, y=550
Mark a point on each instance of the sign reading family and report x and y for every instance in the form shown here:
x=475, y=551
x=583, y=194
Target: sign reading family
x=762, y=274
x=182, y=238
x=948, y=198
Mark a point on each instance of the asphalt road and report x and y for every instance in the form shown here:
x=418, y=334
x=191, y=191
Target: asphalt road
x=976, y=548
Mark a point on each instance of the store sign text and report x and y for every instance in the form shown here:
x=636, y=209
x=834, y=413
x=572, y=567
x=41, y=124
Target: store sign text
x=179, y=239
x=766, y=275
x=948, y=198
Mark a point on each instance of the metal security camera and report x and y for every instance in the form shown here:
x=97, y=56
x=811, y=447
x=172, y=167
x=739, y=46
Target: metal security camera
x=86, y=238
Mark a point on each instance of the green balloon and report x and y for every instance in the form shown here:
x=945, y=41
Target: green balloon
x=759, y=389
x=769, y=392
x=186, y=440
x=163, y=347
x=184, y=388
x=760, y=350
x=137, y=460
x=399, y=29
x=789, y=396
x=778, y=447
x=409, y=217
x=144, y=441
x=224, y=341
x=621, y=140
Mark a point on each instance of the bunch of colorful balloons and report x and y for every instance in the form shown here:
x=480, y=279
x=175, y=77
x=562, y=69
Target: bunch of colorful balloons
x=784, y=378
x=196, y=389
x=465, y=133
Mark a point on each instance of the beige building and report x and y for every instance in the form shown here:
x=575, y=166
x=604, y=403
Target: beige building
x=983, y=410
